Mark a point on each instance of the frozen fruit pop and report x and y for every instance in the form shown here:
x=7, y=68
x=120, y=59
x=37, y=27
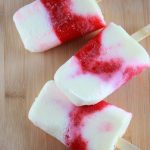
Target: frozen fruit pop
x=95, y=127
x=45, y=24
x=99, y=68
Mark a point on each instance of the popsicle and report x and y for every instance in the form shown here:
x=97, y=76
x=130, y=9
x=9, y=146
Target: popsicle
x=95, y=127
x=104, y=64
x=45, y=24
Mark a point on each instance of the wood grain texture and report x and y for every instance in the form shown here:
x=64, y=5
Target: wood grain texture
x=22, y=75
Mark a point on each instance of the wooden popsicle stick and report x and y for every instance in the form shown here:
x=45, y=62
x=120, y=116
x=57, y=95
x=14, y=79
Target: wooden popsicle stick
x=142, y=34
x=125, y=145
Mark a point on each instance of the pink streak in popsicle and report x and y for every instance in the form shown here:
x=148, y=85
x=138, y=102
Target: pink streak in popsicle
x=73, y=137
x=88, y=59
x=67, y=25
x=130, y=72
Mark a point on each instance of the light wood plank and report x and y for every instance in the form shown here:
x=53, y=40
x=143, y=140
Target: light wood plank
x=2, y=84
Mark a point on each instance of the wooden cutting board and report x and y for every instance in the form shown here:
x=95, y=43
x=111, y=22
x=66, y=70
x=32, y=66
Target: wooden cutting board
x=22, y=75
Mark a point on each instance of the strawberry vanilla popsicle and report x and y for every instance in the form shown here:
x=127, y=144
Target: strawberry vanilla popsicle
x=95, y=127
x=99, y=68
x=45, y=24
